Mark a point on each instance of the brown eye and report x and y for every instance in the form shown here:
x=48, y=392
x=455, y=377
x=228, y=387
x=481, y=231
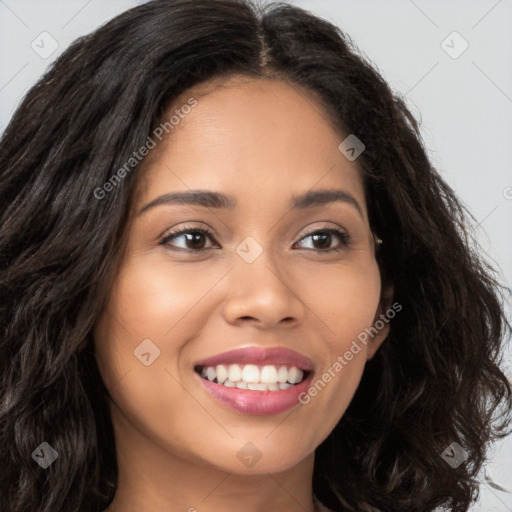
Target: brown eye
x=322, y=239
x=194, y=239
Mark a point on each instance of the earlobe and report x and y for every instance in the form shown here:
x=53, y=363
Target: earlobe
x=377, y=241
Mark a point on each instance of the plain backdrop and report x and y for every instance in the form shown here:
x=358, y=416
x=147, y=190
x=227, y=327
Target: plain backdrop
x=450, y=59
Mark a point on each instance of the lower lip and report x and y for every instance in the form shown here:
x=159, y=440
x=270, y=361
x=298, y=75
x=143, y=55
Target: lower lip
x=256, y=402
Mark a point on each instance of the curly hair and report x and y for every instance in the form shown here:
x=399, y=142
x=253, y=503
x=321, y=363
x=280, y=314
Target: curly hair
x=436, y=380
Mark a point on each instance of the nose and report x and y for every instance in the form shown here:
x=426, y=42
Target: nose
x=262, y=294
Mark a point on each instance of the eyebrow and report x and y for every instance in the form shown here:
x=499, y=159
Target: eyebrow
x=210, y=199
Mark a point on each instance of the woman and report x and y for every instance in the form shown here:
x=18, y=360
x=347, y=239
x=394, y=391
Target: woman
x=231, y=279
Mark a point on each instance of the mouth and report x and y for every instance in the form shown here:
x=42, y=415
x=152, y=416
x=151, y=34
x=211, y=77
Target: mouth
x=270, y=377
x=256, y=380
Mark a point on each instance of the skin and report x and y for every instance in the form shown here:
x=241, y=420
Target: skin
x=261, y=141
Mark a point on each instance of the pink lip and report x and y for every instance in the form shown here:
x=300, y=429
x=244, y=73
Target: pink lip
x=256, y=402
x=260, y=356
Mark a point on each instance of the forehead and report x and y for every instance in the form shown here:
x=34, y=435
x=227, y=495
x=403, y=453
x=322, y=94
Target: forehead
x=250, y=138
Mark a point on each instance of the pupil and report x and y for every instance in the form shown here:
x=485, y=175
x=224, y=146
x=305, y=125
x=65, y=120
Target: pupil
x=325, y=237
x=193, y=239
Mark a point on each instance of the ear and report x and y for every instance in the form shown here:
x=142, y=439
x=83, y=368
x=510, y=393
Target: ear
x=380, y=327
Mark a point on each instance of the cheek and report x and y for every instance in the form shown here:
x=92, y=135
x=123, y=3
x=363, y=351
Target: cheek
x=155, y=300
x=344, y=298
x=154, y=310
x=346, y=301
x=152, y=303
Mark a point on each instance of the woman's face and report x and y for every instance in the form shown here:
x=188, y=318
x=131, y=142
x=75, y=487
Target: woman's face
x=269, y=277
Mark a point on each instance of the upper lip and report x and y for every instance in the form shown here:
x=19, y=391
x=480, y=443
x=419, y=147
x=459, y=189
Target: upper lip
x=260, y=356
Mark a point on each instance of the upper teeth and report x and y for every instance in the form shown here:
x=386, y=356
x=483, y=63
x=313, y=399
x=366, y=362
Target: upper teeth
x=252, y=374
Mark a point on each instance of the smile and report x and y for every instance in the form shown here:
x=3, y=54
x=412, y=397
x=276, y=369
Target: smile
x=256, y=380
x=253, y=377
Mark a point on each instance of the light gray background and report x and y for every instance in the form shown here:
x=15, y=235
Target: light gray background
x=465, y=103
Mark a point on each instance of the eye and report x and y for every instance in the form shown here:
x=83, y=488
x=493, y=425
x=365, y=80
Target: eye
x=193, y=236
x=324, y=238
x=194, y=239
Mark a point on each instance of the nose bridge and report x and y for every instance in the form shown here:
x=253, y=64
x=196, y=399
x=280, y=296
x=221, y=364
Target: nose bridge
x=256, y=264
x=258, y=287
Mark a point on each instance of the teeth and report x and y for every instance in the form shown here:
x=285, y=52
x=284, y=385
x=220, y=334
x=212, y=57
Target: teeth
x=268, y=374
x=222, y=374
x=250, y=376
x=234, y=373
x=282, y=374
x=260, y=387
x=294, y=375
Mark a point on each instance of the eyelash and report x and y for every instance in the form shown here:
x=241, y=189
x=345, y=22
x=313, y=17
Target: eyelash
x=342, y=235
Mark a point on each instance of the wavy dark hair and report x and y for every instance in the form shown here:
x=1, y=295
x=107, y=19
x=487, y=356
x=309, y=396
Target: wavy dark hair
x=436, y=380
